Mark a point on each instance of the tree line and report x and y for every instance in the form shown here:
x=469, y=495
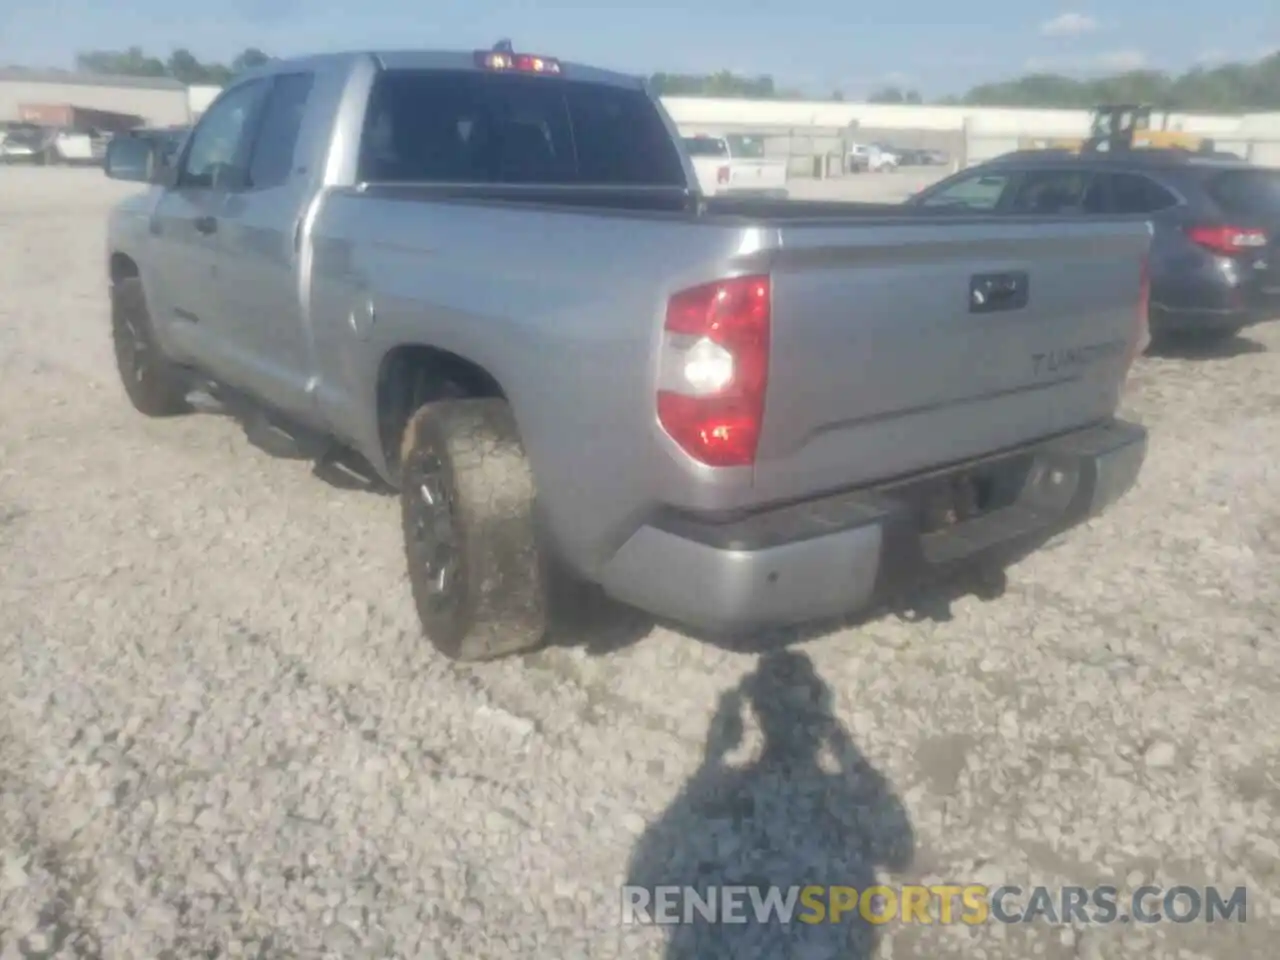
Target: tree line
x=181, y=65
x=1224, y=88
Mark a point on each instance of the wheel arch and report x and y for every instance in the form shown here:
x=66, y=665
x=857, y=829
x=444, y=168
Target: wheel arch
x=411, y=374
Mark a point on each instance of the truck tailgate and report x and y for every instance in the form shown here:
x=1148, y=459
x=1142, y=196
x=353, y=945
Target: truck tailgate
x=884, y=360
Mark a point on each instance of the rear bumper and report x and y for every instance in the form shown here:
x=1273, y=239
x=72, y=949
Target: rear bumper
x=840, y=555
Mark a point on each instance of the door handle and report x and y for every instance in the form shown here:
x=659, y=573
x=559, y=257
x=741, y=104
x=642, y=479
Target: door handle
x=989, y=292
x=206, y=225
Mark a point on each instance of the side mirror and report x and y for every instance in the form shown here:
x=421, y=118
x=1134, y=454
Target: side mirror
x=135, y=159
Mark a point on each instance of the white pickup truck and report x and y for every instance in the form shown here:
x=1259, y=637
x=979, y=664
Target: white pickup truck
x=31, y=143
x=735, y=165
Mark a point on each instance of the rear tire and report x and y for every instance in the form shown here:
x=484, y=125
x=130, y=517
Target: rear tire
x=154, y=385
x=479, y=580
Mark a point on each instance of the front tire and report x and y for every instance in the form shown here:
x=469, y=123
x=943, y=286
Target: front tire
x=153, y=383
x=479, y=579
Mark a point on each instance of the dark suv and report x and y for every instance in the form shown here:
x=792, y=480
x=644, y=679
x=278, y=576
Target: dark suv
x=1215, y=253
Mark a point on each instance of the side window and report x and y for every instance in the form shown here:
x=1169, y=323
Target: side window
x=1134, y=193
x=1052, y=191
x=1098, y=197
x=278, y=131
x=216, y=155
x=977, y=192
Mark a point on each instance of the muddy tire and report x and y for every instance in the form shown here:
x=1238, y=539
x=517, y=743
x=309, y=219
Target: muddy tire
x=478, y=576
x=154, y=385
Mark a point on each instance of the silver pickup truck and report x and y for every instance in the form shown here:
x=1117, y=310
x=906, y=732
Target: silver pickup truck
x=493, y=277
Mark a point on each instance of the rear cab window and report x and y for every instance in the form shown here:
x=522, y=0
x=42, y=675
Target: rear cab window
x=747, y=146
x=1246, y=193
x=460, y=126
x=706, y=147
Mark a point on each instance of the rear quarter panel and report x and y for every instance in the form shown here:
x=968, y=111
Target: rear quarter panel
x=561, y=308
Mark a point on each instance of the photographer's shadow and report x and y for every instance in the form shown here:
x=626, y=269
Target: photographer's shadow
x=782, y=821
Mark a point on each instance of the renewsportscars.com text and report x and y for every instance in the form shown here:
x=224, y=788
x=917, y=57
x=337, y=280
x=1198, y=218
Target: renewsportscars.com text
x=969, y=904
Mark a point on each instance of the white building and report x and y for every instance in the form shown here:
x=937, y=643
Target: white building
x=159, y=100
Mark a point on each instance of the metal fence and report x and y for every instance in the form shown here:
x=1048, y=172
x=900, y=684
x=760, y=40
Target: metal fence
x=815, y=152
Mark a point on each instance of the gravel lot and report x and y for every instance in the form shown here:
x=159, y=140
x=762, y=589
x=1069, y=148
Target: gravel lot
x=221, y=735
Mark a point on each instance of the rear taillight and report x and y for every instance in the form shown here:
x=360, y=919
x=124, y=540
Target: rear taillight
x=722, y=174
x=714, y=369
x=1227, y=240
x=1142, y=318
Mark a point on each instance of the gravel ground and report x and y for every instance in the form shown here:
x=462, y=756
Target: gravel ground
x=221, y=735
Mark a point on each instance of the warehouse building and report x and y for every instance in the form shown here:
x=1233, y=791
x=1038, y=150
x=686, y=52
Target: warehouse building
x=801, y=129
x=159, y=101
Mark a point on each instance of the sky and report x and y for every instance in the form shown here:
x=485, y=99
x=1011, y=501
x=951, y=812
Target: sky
x=939, y=47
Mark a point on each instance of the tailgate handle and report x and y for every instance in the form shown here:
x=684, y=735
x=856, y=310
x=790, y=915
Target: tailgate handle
x=989, y=292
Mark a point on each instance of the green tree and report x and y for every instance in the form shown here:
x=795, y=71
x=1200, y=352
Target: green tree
x=184, y=66
x=894, y=94
x=1226, y=88
x=130, y=63
x=181, y=65
x=249, y=59
x=724, y=83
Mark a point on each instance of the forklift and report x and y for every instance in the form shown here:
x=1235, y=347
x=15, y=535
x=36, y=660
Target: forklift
x=1127, y=126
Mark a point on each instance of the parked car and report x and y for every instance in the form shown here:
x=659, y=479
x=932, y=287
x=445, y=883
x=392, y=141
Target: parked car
x=492, y=275
x=33, y=143
x=1215, y=256
x=909, y=156
x=737, y=165
x=915, y=157
x=869, y=157
x=21, y=142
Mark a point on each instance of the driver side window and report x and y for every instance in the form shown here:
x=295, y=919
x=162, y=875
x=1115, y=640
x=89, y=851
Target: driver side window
x=218, y=154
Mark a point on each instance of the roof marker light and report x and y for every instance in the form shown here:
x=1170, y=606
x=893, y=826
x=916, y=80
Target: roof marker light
x=504, y=60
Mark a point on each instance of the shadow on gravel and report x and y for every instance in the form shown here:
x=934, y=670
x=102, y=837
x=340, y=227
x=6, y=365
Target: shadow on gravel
x=587, y=617
x=338, y=467
x=789, y=819
x=1192, y=348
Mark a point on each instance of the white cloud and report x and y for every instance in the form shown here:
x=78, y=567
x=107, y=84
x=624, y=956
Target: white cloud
x=1068, y=25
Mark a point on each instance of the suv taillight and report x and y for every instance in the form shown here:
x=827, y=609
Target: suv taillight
x=722, y=174
x=714, y=369
x=1227, y=240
